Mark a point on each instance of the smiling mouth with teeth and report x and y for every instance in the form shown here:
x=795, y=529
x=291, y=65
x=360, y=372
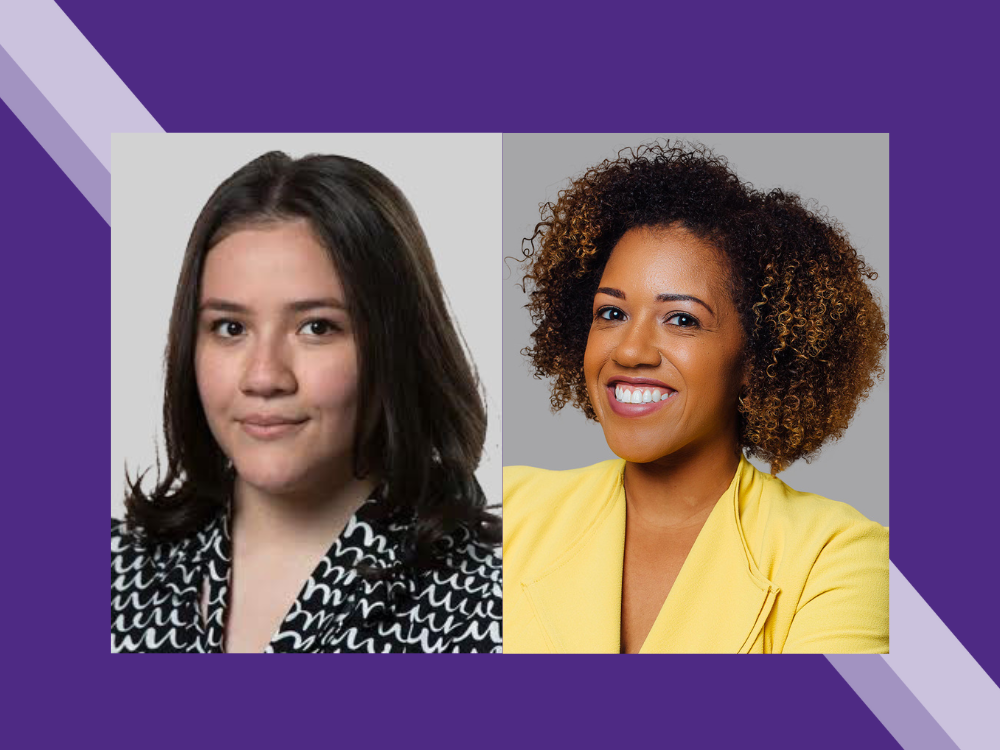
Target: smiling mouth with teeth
x=639, y=395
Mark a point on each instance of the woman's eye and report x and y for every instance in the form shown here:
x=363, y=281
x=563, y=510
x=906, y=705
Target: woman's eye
x=228, y=329
x=318, y=327
x=683, y=320
x=610, y=313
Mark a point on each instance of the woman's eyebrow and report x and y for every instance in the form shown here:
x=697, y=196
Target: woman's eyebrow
x=611, y=292
x=667, y=297
x=221, y=305
x=312, y=304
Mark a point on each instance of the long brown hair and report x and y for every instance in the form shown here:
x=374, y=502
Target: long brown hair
x=421, y=419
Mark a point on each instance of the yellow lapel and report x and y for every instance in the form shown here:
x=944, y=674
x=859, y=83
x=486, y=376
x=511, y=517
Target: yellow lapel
x=718, y=604
x=720, y=600
x=577, y=599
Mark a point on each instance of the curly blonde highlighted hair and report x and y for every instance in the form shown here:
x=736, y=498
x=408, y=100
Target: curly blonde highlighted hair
x=815, y=332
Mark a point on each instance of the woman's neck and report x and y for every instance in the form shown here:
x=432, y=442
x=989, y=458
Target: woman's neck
x=679, y=489
x=300, y=519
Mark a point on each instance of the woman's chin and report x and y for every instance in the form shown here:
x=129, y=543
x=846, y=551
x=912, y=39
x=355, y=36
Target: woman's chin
x=271, y=480
x=638, y=457
x=633, y=452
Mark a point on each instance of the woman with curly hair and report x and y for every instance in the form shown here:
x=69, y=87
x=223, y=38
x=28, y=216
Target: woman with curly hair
x=323, y=425
x=699, y=321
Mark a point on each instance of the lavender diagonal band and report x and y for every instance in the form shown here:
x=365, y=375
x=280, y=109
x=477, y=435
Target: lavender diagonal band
x=939, y=671
x=71, y=74
x=55, y=136
x=891, y=701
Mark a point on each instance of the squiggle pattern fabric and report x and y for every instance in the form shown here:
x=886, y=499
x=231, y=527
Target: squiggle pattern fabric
x=156, y=591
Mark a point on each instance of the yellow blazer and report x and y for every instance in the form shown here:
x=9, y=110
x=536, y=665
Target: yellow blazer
x=772, y=570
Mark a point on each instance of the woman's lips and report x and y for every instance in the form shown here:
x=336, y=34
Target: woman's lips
x=269, y=429
x=638, y=398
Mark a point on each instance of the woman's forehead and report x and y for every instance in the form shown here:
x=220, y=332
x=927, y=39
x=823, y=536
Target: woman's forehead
x=274, y=262
x=666, y=260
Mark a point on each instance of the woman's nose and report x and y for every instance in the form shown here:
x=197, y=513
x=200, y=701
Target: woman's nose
x=268, y=371
x=637, y=346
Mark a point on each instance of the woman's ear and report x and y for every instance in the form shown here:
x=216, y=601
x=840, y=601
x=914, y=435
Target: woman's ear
x=744, y=376
x=744, y=380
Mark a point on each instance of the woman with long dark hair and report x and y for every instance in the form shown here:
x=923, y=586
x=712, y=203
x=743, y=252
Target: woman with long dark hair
x=322, y=427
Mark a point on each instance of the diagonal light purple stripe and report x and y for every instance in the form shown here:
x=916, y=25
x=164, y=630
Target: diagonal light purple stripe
x=891, y=702
x=71, y=74
x=56, y=137
x=939, y=670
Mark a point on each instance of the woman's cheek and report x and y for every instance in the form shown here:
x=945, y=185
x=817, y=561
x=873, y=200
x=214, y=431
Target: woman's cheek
x=217, y=382
x=335, y=386
x=592, y=363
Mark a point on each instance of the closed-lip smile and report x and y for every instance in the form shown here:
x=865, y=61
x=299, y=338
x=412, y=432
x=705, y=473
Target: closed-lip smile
x=268, y=420
x=265, y=426
x=637, y=397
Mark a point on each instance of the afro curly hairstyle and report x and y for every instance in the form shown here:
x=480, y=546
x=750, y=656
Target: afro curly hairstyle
x=814, y=331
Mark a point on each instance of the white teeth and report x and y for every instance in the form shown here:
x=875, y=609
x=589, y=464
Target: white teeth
x=639, y=396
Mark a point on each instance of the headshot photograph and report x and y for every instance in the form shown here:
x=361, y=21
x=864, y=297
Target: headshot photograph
x=306, y=400
x=695, y=343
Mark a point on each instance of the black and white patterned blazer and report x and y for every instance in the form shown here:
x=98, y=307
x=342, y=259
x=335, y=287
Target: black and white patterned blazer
x=156, y=595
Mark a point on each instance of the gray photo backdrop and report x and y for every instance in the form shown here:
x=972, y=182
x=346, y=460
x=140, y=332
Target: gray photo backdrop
x=848, y=174
x=161, y=182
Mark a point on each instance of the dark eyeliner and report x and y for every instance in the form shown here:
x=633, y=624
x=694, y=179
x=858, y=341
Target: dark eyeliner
x=605, y=308
x=694, y=324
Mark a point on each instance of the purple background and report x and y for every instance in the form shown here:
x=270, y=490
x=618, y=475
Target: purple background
x=288, y=67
